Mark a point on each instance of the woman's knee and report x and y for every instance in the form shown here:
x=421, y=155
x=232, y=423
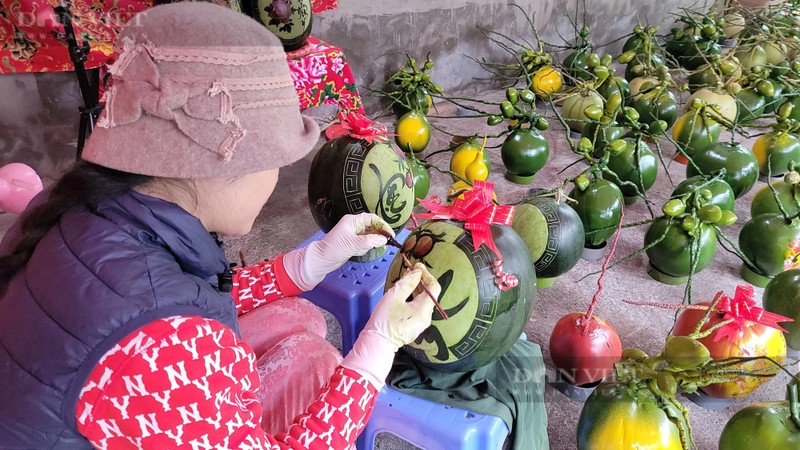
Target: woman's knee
x=293, y=373
x=265, y=326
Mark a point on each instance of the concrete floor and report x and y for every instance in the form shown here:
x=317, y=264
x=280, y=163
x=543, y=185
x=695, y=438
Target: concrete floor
x=286, y=221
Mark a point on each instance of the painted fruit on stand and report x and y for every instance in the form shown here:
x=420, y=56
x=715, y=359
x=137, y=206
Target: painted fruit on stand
x=483, y=320
x=693, y=132
x=751, y=339
x=771, y=244
x=575, y=105
x=553, y=233
x=584, y=351
x=602, y=135
x=636, y=167
x=289, y=20
x=776, y=52
x=546, y=81
x=721, y=192
x=613, y=85
x=761, y=426
x=749, y=105
x=697, y=53
x=600, y=208
x=734, y=24
x=641, y=60
x=636, y=84
x=577, y=65
x=464, y=154
x=722, y=103
x=750, y=56
x=350, y=176
x=657, y=104
x=764, y=201
x=740, y=164
x=774, y=151
x=524, y=153
x=621, y=416
x=670, y=247
x=782, y=296
x=705, y=75
x=413, y=130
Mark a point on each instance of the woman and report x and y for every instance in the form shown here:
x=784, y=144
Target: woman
x=118, y=310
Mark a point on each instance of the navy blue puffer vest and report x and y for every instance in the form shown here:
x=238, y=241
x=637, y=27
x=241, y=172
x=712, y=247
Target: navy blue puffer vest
x=92, y=280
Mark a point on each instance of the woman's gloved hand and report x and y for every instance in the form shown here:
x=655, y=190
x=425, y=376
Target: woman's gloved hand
x=394, y=323
x=354, y=235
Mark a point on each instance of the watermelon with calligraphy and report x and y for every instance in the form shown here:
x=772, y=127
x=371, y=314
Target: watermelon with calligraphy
x=350, y=175
x=483, y=319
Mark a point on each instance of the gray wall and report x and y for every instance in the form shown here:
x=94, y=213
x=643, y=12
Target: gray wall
x=376, y=34
x=38, y=112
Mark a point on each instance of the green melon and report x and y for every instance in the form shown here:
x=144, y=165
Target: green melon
x=350, y=176
x=483, y=320
x=531, y=225
x=553, y=232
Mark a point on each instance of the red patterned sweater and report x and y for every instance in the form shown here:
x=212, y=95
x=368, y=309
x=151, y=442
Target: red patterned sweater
x=191, y=382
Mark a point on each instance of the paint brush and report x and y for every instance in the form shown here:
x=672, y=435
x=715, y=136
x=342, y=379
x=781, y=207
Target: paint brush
x=394, y=243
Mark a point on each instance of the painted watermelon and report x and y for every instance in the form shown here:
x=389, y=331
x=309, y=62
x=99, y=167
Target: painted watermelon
x=350, y=176
x=553, y=233
x=483, y=321
x=289, y=20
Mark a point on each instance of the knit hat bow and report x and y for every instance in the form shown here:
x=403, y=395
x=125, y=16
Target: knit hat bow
x=140, y=89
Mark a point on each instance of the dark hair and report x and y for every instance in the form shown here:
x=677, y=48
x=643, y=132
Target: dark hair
x=85, y=184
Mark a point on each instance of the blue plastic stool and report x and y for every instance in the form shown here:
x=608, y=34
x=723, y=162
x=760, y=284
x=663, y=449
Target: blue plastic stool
x=430, y=425
x=351, y=292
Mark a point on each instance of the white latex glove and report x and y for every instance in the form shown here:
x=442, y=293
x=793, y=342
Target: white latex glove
x=354, y=235
x=394, y=323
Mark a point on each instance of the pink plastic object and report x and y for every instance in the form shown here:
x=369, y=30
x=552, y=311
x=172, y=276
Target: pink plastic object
x=18, y=185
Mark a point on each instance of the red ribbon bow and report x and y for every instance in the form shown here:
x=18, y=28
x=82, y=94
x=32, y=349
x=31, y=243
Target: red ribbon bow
x=476, y=210
x=742, y=308
x=359, y=126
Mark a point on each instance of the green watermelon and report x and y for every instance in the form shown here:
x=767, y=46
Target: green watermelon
x=483, y=320
x=351, y=176
x=553, y=233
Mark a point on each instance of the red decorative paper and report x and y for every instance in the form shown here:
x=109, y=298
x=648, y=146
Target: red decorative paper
x=322, y=75
x=741, y=309
x=357, y=125
x=478, y=212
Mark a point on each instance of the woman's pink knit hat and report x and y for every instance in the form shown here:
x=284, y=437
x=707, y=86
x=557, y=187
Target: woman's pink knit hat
x=199, y=91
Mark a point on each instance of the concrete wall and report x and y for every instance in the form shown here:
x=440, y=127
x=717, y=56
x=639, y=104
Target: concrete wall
x=376, y=34
x=39, y=116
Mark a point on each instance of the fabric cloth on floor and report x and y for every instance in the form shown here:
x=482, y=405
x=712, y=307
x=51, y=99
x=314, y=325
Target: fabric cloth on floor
x=511, y=388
